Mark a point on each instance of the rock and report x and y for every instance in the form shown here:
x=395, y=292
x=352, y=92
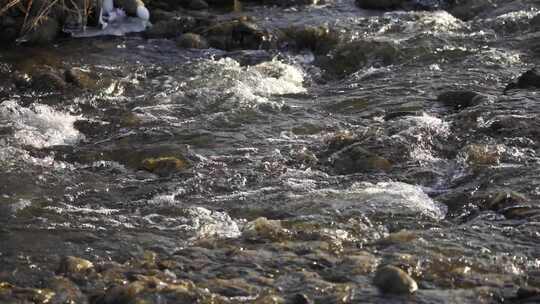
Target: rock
x=171, y=28
x=124, y=293
x=528, y=80
x=65, y=291
x=390, y=279
x=80, y=78
x=526, y=293
x=44, y=33
x=192, y=41
x=401, y=4
x=361, y=263
x=237, y=34
x=301, y=298
x=483, y=155
x=355, y=55
x=468, y=9
x=164, y=165
x=74, y=265
x=197, y=4
x=263, y=228
x=319, y=39
x=355, y=159
x=505, y=199
x=47, y=81
x=461, y=99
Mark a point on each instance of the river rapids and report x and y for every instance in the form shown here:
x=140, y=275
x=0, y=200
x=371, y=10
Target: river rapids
x=277, y=175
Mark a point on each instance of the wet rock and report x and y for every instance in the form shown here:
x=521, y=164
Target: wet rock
x=263, y=228
x=74, y=265
x=192, y=41
x=528, y=293
x=269, y=299
x=340, y=140
x=44, y=33
x=301, y=298
x=361, y=263
x=319, y=39
x=355, y=55
x=483, y=155
x=505, y=199
x=81, y=78
x=390, y=279
x=357, y=159
x=124, y=293
x=459, y=100
x=528, y=80
x=237, y=34
x=164, y=165
x=400, y=237
x=171, y=28
x=401, y=4
x=197, y=4
x=47, y=81
x=468, y=9
x=65, y=291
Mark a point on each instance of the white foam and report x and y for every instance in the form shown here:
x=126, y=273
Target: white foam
x=40, y=126
x=385, y=197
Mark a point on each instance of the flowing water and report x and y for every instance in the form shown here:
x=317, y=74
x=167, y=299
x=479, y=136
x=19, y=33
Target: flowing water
x=452, y=196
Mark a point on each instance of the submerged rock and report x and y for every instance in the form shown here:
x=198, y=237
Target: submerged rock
x=461, y=99
x=65, y=291
x=164, y=165
x=192, y=41
x=74, y=265
x=401, y=4
x=47, y=81
x=319, y=39
x=171, y=28
x=81, y=78
x=353, y=56
x=357, y=159
x=390, y=279
x=236, y=34
x=527, y=80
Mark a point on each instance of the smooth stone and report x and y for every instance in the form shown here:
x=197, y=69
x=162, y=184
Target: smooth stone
x=355, y=159
x=74, y=265
x=171, y=28
x=47, y=81
x=80, y=78
x=319, y=39
x=192, y=41
x=461, y=99
x=528, y=80
x=164, y=165
x=390, y=279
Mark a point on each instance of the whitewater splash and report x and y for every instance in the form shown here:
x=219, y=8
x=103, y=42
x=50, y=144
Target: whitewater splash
x=39, y=126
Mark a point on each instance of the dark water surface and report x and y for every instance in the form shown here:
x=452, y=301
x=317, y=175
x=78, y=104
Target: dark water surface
x=449, y=194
